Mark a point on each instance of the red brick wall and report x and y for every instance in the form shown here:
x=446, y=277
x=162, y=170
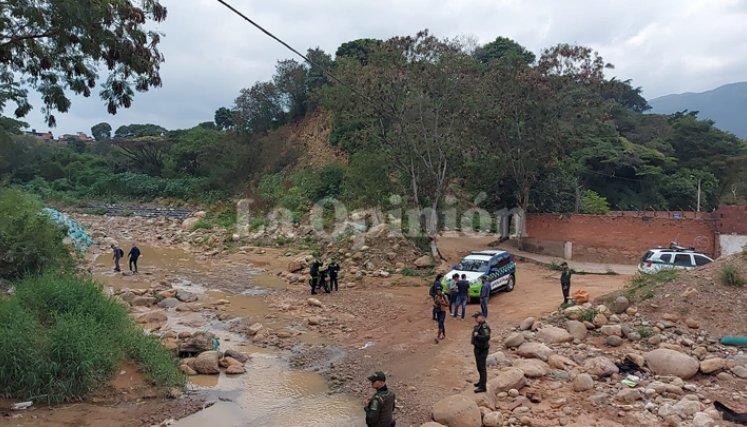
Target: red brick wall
x=732, y=219
x=619, y=238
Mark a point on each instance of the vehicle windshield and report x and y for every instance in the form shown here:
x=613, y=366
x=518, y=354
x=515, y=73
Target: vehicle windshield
x=473, y=265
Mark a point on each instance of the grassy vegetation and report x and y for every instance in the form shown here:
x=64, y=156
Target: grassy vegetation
x=730, y=276
x=62, y=338
x=645, y=331
x=588, y=314
x=643, y=286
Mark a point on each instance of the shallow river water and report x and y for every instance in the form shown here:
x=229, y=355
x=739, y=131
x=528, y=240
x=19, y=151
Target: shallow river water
x=271, y=393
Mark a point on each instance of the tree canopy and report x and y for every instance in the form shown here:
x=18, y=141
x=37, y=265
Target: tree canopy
x=59, y=47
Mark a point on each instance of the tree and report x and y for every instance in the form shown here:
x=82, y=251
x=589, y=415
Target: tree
x=224, y=118
x=147, y=154
x=139, y=131
x=503, y=48
x=58, y=46
x=321, y=61
x=579, y=63
x=101, y=131
x=360, y=49
x=290, y=82
x=258, y=109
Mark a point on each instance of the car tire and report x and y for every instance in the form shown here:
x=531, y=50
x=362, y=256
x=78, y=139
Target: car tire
x=511, y=284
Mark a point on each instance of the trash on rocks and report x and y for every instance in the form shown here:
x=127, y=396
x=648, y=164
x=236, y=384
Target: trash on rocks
x=734, y=340
x=21, y=405
x=731, y=415
x=81, y=240
x=581, y=296
x=366, y=345
x=631, y=381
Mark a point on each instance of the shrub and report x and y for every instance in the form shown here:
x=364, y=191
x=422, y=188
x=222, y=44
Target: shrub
x=588, y=314
x=29, y=241
x=593, y=203
x=643, y=286
x=645, y=331
x=730, y=276
x=72, y=339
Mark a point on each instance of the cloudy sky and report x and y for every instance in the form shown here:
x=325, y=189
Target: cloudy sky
x=665, y=46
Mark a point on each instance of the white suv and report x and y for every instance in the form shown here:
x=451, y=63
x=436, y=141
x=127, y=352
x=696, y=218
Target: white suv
x=656, y=260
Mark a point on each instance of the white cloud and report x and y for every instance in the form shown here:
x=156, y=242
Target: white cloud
x=666, y=46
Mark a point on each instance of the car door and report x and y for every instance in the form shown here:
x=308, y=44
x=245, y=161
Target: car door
x=683, y=261
x=664, y=262
x=500, y=276
x=701, y=260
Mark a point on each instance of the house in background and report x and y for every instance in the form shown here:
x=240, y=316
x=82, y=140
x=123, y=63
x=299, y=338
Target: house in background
x=46, y=137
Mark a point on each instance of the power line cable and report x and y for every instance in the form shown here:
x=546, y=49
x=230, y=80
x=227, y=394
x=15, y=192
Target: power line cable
x=305, y=58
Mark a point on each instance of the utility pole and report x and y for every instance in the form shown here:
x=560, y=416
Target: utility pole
x=698, y=194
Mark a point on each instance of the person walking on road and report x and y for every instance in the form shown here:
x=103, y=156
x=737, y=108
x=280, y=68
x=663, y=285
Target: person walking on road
x=380, y=407
x=332, y=270
x=118, y=254
x=484, y=296
x=462, y=296
x=440, y=304
x=565, y=282
x=481, y=343
x=433, y=290
x=134, y=254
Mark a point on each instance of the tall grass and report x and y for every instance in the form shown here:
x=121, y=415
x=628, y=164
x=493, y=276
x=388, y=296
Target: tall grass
x=730, y=276
x=61, y=338
x=643, y=286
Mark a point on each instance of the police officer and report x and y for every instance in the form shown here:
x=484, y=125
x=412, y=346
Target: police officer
x=380, y=407
x=315, y=275
x=481, y=342
x=332, y=269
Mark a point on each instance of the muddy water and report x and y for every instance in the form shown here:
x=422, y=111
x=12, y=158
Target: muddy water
x=271, y=393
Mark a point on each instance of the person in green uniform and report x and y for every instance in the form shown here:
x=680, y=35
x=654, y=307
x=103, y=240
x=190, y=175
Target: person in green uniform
x=333, y=269
x=315, y=273
x=481, y=343
x=380, y=407
x=565, y=282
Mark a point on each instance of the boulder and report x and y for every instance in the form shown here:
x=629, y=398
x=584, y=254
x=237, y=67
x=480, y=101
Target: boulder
x=314, y=302
x=254, y=329
x=636, y=358
x=610, y=330
x=553, y=335
x=507, y=379
x=583, y=382
x=207, y=363
x=197, y=343
x=235, y=370
x=492, y=419
x=527, y=323
x=557, y=361
x=314, y=320
x=189, y=223
x=702, y=419
x=621, y=304
x=154, y=317
x=740, y=371
x=169, y=303
x=432, y=424
x=600, y=366
x=185, y=296
x=424, y=261
x=295, y=266
x=614, y=341
x=533, y=368
x=628, y=396
x=710, y=366
x=599, y=320
x=498, y=359
x=241, y=357
x=534, y=350
x=514, y=340
x=692, y=323
x=687, y=408
x=664, y=361
x=457, y=411
x=577, y=329
x=574, y=312
x=143, y=301
x=229, y=361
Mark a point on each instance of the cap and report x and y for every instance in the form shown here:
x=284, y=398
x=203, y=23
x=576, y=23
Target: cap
x=377, y=376
x=477, y=314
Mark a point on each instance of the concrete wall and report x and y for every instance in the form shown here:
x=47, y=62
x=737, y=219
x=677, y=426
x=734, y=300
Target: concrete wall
x=619, y=237
x=732, y=243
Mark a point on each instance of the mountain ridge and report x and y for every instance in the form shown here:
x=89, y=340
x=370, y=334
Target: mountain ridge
x=726, y=105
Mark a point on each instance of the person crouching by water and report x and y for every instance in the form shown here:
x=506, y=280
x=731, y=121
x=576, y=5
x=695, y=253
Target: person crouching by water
x=380, y=407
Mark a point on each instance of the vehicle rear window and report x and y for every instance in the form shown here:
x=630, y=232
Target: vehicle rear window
x=646, y=256
x=701, y=260
x=666, y=257
x=683, y=260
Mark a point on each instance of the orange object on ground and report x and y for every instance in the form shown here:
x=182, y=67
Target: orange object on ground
x=580, y=296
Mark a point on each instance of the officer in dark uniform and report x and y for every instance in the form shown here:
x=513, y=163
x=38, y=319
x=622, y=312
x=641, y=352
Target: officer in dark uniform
x=332, y=269
x=315, y=275
x=380, y=407
x=481, y=342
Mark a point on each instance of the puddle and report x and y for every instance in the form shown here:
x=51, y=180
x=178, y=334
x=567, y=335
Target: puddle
x=272, y=394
